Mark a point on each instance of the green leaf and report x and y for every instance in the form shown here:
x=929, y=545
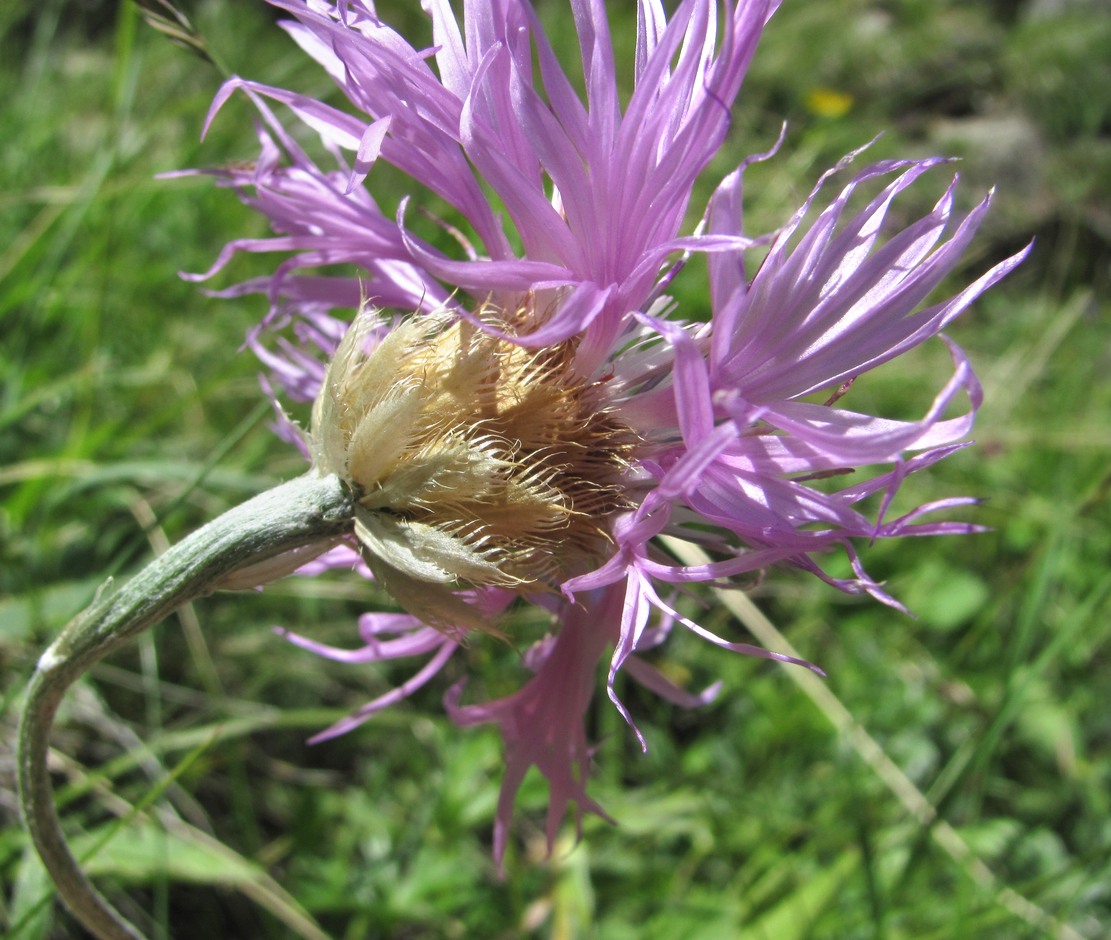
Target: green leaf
x=792, y=917
x=143, y=852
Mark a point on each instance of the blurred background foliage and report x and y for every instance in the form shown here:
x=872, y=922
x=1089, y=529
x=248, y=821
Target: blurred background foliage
x=128, y=416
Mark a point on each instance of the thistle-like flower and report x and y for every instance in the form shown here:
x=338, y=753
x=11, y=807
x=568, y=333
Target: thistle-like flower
x=520, y=424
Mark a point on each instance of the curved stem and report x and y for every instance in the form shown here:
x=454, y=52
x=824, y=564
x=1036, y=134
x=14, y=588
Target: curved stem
x=305, y=516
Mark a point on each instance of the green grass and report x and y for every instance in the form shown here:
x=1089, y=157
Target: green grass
x=127, y=417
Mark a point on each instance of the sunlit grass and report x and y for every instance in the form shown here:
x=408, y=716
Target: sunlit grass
x=128, y=416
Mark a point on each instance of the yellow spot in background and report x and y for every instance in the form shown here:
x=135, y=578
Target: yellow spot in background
x=825, y=102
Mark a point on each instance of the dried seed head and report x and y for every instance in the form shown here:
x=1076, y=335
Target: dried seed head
x=477, y=462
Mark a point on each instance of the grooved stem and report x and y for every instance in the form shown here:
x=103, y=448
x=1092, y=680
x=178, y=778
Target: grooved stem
x=308, y=514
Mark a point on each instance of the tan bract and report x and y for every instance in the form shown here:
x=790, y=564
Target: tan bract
x=477, y=461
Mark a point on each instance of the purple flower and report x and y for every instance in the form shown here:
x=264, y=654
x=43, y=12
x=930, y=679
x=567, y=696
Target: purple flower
x=595, y=197
x=524, y=419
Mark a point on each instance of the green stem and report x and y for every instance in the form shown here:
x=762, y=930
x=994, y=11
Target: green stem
x=307, y=515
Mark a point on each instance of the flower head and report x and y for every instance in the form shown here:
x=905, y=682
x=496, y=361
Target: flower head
x=521, y=424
